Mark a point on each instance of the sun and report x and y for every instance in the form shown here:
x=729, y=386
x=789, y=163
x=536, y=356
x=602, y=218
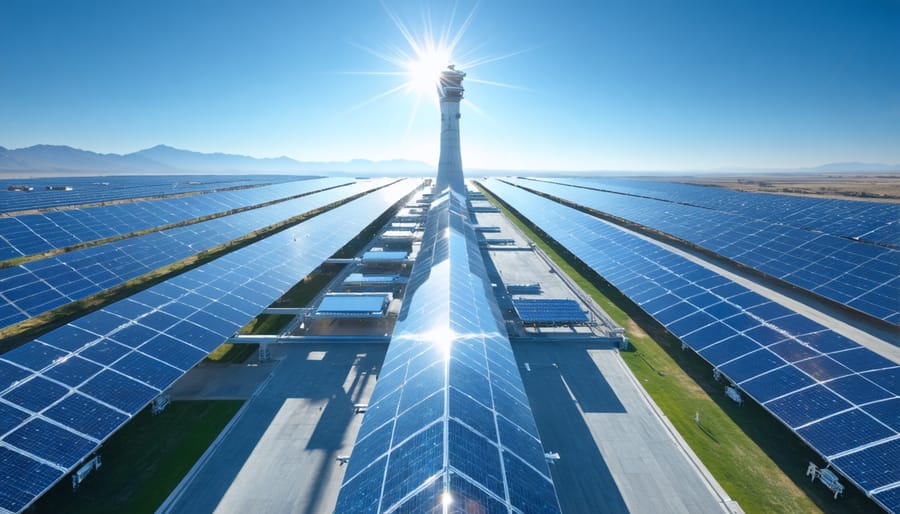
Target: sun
x=427, y=53
x=424, y=70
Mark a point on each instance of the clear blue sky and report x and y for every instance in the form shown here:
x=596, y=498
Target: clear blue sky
x=617, y=85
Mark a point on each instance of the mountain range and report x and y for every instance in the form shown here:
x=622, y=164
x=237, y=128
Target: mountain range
x=57, y=160
x=49, y=160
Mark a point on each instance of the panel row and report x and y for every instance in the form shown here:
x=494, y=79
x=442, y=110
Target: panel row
x=53, y=192
x=449, y=400
x=31, y=234
x=66, y=392
x=863, y=276
x=839, y=397
x=36, y=287
x=875, y=222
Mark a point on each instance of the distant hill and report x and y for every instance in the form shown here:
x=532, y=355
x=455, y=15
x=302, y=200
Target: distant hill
x=64, y=160
x=54, y=160
x=854, y=167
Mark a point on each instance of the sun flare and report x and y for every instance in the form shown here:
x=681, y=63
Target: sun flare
x=424, y=70
x=428, y=51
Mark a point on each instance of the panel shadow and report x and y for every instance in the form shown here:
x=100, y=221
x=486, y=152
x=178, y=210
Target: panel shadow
x=582, y=477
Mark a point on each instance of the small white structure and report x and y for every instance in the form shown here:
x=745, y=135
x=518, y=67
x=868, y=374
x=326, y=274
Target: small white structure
x=551, y=457
x=85, y=470
x=160, y=403
x=827, y=477
x=264, y=354
x=734, y=394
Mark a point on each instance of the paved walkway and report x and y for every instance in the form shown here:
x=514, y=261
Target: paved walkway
x=279, y=455
x=617, y=453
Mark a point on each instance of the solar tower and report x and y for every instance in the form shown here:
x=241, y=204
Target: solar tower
x=450, y=91
x=448, y=427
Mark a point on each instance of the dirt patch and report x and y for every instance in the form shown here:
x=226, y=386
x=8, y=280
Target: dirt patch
x=880, y=187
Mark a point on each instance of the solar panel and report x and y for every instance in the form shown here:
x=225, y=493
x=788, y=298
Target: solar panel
x=449, y=379
x=809, y=377
x=829, y=265
x=106, y=368
x=549, y=311
x=353, y=305
x=36, y=287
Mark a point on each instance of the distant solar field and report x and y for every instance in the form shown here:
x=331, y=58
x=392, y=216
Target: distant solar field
x=103, y=189
x=856, y=264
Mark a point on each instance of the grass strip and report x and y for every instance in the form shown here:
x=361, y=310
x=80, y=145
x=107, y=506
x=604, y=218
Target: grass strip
x=144, y=461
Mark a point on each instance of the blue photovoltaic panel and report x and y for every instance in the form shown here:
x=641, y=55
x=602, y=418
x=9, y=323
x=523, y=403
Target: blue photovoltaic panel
x=449, y=345
x=549, y=311
x=34, y=394
x=858, y=389
x=339, y=305
x=776, y=383
x=10, y=417
x=807, y=405
x=72, y=371
x=120, y=391
x=91, y=401
x=848, y=269
x=33, y=356
x=873, y=467
x=751, y=365
x=726, y=350
x=887, y=412
x=807, y=376
x=50, y=442
x=86, y=416
x=148, y=370
x=22, y=479
x=844, y=431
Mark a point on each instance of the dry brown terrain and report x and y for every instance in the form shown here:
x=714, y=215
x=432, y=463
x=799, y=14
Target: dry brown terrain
x=879, y=187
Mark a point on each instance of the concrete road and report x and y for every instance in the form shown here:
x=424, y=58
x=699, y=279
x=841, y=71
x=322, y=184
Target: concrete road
x=616, y=453
x=280, y=454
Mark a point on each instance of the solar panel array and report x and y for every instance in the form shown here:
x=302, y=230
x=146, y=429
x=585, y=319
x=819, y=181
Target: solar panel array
x=30, y=234
x=36, y=287
x=66, y=392
x=863, y=276
x=839, y=397
x=545, y=311
x=448, y=422
x=101, y=189
x=874, y=222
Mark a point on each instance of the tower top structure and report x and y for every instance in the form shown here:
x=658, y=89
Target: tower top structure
x=450, y=84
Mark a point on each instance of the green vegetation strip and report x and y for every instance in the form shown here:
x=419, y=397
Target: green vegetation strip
x=145, y=461
x=758, y=461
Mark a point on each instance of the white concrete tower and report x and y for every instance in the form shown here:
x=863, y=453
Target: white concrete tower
x=450, y=92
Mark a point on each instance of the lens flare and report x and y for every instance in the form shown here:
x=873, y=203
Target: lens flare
x=425, y=70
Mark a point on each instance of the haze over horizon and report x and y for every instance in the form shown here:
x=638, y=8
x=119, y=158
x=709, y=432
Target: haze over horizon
x=612, y=85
